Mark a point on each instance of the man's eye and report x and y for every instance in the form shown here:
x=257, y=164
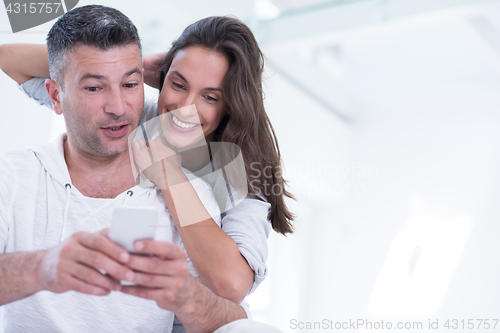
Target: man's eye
x=130, y=85
x=92, y=89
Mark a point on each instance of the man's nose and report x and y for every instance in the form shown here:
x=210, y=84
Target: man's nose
x=116, y=103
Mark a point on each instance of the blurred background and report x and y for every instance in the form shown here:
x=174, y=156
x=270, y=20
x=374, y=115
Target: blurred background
x=387, y=115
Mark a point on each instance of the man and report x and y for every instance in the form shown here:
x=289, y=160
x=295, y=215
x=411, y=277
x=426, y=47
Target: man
x=53, y=199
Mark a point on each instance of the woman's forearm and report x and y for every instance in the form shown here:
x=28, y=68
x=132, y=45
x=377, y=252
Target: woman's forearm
x=23, y=62
x=213, y=253
x=152, y=64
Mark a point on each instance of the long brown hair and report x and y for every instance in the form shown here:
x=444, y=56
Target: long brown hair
x=246, y=123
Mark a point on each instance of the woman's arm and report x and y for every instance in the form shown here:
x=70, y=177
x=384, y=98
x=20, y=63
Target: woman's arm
x=152, y=64
x=214, y=254
x=23, y=62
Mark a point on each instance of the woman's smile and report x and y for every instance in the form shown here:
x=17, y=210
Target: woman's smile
x=182, y=124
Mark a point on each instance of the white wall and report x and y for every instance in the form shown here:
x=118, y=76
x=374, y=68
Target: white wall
x=425, y=176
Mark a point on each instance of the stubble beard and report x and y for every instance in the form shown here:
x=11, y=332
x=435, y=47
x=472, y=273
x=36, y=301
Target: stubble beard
x=84, y=137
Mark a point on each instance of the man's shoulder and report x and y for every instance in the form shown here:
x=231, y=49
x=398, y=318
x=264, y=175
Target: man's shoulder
x=18, y=160
x=24, y=154
x=19, y=169
x=31, y=158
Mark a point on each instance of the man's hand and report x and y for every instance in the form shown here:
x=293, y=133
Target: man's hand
x=163, y=277
x=75, y=264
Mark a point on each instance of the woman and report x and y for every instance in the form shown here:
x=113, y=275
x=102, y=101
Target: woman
x=215, y=65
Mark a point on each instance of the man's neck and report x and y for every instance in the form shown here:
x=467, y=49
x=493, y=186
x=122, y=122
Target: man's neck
x=99, y=177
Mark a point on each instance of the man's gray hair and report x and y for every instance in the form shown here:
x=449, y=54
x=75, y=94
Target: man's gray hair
x=94, y=25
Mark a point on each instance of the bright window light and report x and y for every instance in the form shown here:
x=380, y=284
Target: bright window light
x=419, y=267
x=266, y=10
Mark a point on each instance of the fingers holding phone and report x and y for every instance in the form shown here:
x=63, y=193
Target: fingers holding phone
x=163, y=276
x=77, y=264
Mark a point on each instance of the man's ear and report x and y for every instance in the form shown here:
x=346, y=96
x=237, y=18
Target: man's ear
x=54, y=91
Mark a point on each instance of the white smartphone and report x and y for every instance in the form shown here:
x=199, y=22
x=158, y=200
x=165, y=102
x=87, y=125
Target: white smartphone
x=131, y=224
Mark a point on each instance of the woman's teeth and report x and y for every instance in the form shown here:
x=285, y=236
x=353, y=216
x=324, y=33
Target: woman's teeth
x=181, y=124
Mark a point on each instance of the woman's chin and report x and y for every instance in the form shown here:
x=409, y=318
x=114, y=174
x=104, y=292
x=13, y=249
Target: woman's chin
x=183, y=142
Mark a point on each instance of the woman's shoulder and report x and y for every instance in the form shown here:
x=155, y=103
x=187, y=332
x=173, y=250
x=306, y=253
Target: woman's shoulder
x=35, y=89
x=250, y=208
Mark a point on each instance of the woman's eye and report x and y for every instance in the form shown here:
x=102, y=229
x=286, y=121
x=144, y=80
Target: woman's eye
x=177, y=85
x=210, y=98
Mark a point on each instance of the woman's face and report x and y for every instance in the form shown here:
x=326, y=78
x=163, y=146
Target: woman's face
x=191, y=99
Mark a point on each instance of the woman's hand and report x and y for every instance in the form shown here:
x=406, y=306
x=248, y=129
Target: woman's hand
x=157, y=160
x=152, y=64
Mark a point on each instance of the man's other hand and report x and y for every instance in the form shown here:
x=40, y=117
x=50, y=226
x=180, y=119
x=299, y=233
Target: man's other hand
x=162, y=277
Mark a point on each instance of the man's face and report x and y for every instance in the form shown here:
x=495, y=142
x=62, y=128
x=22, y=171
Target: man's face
x=102, y=98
